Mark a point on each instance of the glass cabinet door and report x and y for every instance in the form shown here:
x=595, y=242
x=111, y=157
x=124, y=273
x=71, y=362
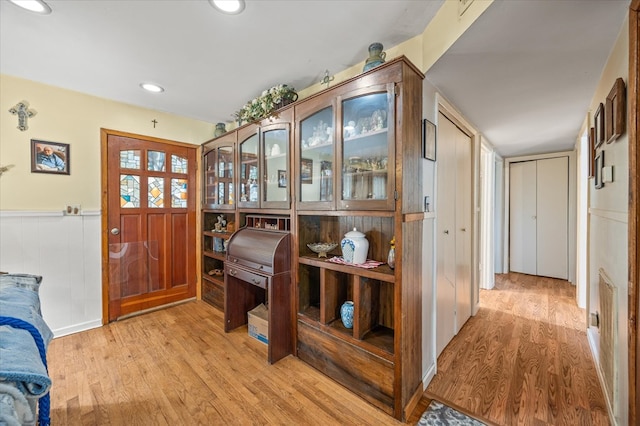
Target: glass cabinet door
x=249, y=181
x=367, y=158
x=218, y=173
x=275, y=166
x=317, y=160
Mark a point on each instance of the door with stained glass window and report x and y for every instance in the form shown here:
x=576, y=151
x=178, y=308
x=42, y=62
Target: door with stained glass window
x=150, y=208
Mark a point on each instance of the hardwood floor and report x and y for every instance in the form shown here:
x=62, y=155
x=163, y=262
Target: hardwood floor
x=523, y=359
x=176, y=366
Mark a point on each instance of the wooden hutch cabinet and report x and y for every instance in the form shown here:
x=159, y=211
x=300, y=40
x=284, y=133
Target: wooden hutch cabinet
x=353, y=161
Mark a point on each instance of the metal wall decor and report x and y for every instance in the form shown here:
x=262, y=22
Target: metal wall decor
x=22, y=110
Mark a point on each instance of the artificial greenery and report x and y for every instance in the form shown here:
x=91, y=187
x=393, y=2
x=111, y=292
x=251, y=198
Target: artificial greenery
x=266, y=104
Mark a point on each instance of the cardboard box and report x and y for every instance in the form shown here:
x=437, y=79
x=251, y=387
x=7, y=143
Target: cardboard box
x=258, y=323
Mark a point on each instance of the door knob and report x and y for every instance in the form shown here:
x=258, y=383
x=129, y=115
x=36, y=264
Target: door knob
x=463, y=229
x=446, y=231
x=115, y=231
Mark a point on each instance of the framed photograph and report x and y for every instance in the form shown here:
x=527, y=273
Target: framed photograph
x=282, y=178
x=592, y=151
x=49, y=157
x=599, y=164
x=598, y=124
x=428, y=140
x=614, y=120
x=306, y=170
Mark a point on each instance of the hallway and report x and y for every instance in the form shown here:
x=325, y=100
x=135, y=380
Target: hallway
x=524, y=358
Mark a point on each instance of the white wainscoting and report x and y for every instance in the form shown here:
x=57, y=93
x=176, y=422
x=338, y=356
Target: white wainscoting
x=65, y=251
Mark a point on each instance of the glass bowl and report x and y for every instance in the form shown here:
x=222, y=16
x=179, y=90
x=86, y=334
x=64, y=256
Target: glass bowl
x=322, y=248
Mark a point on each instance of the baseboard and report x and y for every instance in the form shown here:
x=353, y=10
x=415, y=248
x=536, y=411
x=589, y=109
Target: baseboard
x=76, y=328
x=593, y=345
x=431, y=373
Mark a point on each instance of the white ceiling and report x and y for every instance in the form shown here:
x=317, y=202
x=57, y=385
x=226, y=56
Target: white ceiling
x=526, y=71
x=523, y=74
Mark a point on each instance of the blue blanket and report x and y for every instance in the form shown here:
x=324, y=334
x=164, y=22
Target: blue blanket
x=20, y=360
x=24, y=337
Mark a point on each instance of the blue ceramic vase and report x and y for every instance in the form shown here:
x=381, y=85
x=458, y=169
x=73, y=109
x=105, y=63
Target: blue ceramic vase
x=346, y=314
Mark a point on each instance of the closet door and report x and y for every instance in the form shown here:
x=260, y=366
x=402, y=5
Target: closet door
x=453, y=237
x=553, y=211
x=522, y=220
x=538, y=215
x=463, y=228
x=446, y=235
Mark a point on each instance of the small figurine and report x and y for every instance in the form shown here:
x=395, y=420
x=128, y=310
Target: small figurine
x=221, y=224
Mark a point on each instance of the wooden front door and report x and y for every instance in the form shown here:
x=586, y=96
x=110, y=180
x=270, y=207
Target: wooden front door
x=149, y=228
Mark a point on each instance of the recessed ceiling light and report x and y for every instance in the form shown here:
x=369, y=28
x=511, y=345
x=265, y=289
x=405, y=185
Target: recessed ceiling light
x=231, y=7
x=37, y=6
x=152, y=87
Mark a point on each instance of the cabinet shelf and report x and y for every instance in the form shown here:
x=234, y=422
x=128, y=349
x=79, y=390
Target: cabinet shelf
x=381, y=273
x=220, y=255
x=365, y=135
x=222, y=234
x=378, y=341
x=367, y=172
x=219, y=280
x=317, y=147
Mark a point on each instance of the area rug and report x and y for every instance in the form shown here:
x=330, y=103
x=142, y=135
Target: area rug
x=438, y=414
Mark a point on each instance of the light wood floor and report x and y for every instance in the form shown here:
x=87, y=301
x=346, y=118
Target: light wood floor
x=176, y=366
x=523, y=359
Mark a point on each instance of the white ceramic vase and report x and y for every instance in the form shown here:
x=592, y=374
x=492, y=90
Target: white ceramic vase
x=354, y=247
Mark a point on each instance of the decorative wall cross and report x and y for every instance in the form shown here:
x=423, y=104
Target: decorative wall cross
x=154, y=121
x=21, y=109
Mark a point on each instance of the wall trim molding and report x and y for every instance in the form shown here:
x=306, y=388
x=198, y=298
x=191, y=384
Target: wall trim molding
x=617, y=216
x=43, y=213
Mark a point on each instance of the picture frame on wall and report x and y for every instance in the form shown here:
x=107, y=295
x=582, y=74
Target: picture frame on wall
x=592, y=151
x=599, y=164
x=598, y=124
x=50, y=157
x=428, y=140
x=615, y=111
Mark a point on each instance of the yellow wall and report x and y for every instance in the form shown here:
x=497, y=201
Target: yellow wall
x=74, y=118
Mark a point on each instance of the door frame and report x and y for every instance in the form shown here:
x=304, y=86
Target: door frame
x=572, y=207
x=633, y=88
x=104, y=201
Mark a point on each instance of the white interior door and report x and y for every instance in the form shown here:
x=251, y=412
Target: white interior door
x=463, y=228
x=522, y=217
x=453, y=237
x=445, y=235
x=552, y=228
x=538, y=217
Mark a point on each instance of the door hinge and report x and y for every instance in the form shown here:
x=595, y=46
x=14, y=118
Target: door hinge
x=395, y=195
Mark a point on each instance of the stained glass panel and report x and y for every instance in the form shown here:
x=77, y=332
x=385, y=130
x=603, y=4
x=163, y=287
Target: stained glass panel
x=178, y=164
x=129, y=191
x=155, y=161
x=130, y=159
x=179, y=193
x=156, y=192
